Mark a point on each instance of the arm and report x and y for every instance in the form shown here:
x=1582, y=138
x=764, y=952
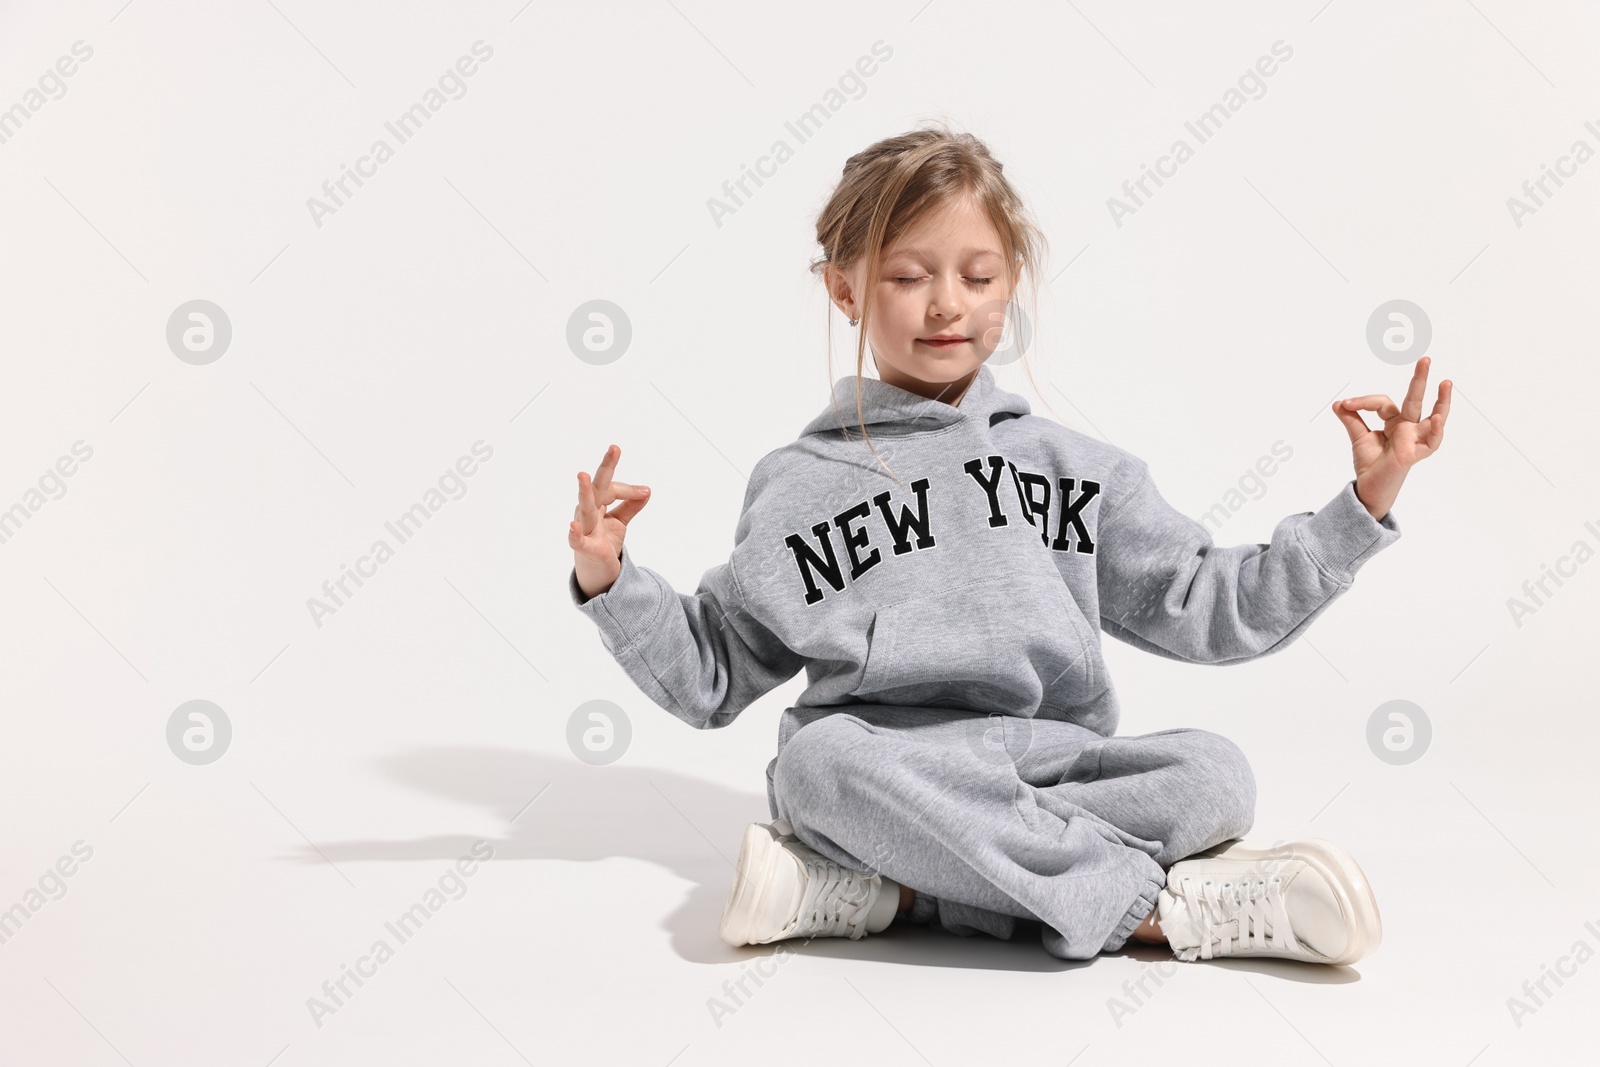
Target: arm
x=1167, y=588
x=703, y=658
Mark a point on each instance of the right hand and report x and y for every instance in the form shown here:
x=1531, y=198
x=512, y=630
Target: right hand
x=596, y=534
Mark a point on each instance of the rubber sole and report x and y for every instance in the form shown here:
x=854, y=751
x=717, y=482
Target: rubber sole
x=1357, y=904
x=751, y=876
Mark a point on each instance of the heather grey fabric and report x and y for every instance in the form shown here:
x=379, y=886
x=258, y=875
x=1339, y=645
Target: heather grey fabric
x=995, y=818
x=981, y=581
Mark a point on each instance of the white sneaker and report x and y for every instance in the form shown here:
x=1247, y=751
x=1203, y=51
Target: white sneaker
x=1301, y=900
x=783, y=888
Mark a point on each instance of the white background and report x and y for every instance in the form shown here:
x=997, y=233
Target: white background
x=430, y=311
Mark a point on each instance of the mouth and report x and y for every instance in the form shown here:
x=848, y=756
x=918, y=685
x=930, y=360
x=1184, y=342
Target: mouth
x=942, y=342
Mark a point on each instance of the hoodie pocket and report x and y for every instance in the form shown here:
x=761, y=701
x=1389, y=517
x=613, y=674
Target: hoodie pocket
x=1008, y=644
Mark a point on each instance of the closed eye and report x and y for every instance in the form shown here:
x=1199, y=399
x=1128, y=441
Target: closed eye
x=913, y=281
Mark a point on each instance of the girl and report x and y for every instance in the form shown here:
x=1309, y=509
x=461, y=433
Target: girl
x=955, y=757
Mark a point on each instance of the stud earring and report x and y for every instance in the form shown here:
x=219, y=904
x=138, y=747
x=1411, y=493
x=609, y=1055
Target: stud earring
x=854, y=321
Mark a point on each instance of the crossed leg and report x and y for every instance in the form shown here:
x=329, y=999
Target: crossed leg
x=997, y=818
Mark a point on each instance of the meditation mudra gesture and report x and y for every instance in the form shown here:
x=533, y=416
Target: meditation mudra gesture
x=943, y=562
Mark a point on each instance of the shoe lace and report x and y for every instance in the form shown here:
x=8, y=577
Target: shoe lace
x=1234, y=915
x=836, y=900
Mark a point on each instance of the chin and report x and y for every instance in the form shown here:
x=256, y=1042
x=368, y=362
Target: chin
x=936, y=367
x=944, y=370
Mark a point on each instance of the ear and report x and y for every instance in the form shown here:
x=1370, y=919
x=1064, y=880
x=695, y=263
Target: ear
x=840, y=290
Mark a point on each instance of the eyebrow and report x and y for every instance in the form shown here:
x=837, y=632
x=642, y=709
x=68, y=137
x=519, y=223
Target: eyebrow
x=965, y=253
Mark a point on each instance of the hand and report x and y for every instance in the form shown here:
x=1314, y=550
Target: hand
x=1382, y=457
x=595, y=534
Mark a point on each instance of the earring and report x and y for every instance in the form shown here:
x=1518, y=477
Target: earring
x=854, y=321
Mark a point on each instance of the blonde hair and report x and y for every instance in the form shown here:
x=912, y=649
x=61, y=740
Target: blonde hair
x=890, y=186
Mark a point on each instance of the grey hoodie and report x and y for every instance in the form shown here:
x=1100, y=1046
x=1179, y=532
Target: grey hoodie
x=982, y=580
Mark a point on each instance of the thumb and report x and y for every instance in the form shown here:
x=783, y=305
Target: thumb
x=629, y=508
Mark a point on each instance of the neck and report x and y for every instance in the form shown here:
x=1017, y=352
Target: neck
x=944, y=392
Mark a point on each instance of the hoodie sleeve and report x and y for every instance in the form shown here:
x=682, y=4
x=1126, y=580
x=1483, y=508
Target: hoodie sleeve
x=1165, y=587
x=703, y=658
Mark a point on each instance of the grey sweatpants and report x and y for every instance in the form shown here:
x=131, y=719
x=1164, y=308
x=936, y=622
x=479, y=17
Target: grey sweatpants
x=994, y=818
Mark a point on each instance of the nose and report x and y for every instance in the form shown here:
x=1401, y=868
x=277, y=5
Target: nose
x=945, y=301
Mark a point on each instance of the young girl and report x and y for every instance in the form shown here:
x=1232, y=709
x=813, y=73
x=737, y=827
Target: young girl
x=955, y=757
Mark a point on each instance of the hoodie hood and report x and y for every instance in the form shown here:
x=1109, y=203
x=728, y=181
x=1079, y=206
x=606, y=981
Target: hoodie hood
x=886, y=407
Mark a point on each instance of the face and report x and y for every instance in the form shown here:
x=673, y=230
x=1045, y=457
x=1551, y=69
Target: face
x=938, y=307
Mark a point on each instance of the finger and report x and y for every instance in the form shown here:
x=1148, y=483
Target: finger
x=602, y=473
x=588, y=511
x=1416, y=391
x=1354, y=424
x=1441, y=404
x=625, y=491
x=1378, y=402
x=1433, y=426
x=1436, y=423
x=580, y=511
x=628, y=509
x=576, y=538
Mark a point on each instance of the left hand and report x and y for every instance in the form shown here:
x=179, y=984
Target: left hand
x=1383, y=457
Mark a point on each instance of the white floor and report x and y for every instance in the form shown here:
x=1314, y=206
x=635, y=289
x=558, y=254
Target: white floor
x=204, y=924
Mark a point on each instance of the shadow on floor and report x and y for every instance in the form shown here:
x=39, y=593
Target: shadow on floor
x=556, y=809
